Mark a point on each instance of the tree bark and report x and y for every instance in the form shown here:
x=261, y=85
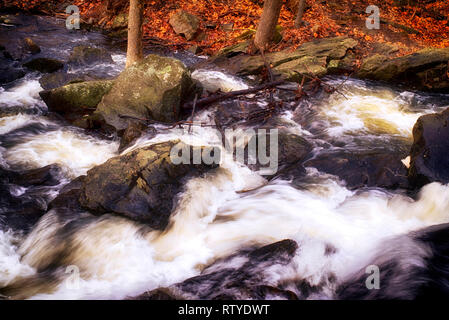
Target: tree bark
x=135, y=20
x=301, y=7
x=267, y=24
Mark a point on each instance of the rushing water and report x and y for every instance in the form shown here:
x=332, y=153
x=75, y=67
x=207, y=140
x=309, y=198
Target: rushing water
x=217, y=215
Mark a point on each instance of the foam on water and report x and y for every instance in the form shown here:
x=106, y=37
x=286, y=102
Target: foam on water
x=73, y=150
x=26, y=93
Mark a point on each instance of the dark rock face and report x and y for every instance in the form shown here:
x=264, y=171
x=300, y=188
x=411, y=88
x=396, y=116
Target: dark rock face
x=44, y=65
x=364, y=169
x=429, y=160
x=249, y=280
x=141, y=185
x=412, y=267
x=84, y=55
x=134, y=131
x=424, y=70
x=22, y=211
x=152, y=89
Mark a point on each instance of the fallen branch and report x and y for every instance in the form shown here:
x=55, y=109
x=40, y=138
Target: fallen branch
x=224, y=96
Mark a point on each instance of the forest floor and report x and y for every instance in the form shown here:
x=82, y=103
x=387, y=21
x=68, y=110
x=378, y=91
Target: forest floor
x=409, y=27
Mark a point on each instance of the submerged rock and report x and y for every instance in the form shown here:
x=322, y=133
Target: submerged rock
x=242, y=276
x=84, y=55
x=73, y=99
x=185, y=24
x=44, y=65
x=153, y=89
x=31, y=46
x=429, y=160
x=9, y=72
x=141, y=185
x=424, y=70
x=364, y=169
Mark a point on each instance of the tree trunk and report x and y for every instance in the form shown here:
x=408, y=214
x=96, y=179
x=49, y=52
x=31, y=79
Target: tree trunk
x=135, y=46
x=301, y=7
x=267, y=24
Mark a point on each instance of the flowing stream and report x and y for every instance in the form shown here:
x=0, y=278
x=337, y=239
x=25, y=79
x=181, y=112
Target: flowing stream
x=217, y=215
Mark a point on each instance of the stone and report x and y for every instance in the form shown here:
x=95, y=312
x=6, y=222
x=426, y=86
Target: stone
x=75, y=98
x=429, y=161
x=424, y=70
x=154, y=89
x=44, y=65
x=185, y=24
x=85, y=55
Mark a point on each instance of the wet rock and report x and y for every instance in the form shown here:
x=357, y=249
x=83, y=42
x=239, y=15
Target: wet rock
x=84, y=55
x=46, y=176
x=141, y=185
x=78, y=98
x=152, y=89
x=412, y=267
x=249, y=279
x=31, y=46
x=185, y=24
x=9, y=72
x=134, y=131
x=312, y=58
x=424, y=70
x=367, y=169
x=68, y=197
x=58, y=79
x=429, y=161
x=120, y=21
x=44, y=65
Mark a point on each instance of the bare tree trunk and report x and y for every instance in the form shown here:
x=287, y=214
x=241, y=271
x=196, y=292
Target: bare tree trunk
x=135, y=46
x=301, y=7
x=267, y=24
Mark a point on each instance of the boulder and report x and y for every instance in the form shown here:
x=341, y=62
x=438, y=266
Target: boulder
x=424, y=70
x=141, y=185
x=429, y=160
x=84, y=55
x=364, y=169
x=152, y=89
x=76, y=97
x=316, y=58
x=9, y=72
x=44, y=65
x=184, y=23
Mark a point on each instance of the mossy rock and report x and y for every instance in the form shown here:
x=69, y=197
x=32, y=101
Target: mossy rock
x=152, y=89
x=76, y=97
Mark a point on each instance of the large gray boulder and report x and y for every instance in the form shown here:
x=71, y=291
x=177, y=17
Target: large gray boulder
x=152, y=89
x=424, y=70
x=141, y=185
